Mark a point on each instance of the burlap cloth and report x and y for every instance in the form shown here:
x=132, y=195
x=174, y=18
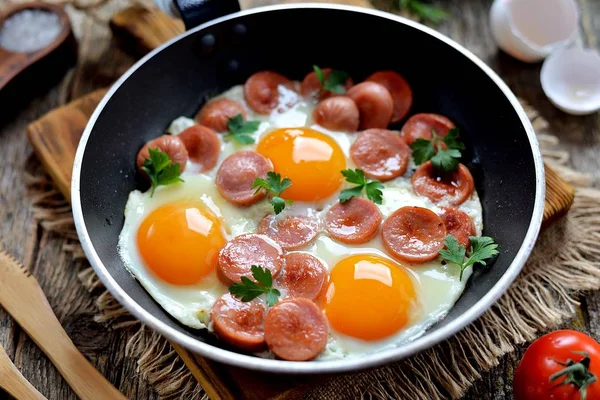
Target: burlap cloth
x=565, y=261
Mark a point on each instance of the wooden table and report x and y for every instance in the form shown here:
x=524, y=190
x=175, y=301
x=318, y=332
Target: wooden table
x=101, y=61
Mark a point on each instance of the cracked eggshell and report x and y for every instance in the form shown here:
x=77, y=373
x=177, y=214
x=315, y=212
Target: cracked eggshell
x=530, y=30
x=571, y=80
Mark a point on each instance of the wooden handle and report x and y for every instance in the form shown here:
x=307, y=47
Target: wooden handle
x=22, y=297
x=13, y=382
x=10, y=65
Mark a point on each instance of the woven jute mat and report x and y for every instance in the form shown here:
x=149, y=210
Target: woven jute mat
x=564, y=262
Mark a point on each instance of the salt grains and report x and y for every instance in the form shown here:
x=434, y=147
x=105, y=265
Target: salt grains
x=29, y=30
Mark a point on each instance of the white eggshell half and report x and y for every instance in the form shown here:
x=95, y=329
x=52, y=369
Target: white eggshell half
x=530, y=30
x=571, y=80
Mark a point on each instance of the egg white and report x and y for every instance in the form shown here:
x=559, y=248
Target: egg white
x=437, y=285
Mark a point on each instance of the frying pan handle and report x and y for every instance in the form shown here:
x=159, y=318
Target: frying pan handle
x=196, y=12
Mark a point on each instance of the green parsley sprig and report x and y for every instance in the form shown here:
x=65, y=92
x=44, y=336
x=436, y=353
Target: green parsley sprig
x=240, y=130
x=357, y=176
x=275, y=185
x=481, y=249
x=334, y=82
x=248, y=290
x=425, y=12
x=161, y=169
x=443, y=159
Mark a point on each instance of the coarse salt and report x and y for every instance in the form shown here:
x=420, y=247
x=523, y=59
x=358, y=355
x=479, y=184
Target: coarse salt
x=29, y=30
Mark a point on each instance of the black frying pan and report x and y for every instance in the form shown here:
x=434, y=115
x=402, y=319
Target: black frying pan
x=174, y=80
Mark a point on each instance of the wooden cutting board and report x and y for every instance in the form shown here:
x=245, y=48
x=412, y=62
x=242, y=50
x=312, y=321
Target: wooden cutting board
x=54, y=138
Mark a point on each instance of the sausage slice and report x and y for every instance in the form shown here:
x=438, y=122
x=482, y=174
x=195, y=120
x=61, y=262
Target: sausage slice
x=413, y=234
x=290, y=232
x=216, y=113
x=304, y=276
x=296, y=330
x=380, y=153
x=353, y=222
x=453, y=189
x=239, y=254
x=398, y=88
x=311, y=85
x=241, y=324
x=419, y=126
x=172, y=145
x=203, y=146
x=458, y=224
x=236, y=176
x=374, y=103
x=338, y=113
x=261, y=90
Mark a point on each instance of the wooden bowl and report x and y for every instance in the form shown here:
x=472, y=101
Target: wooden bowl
x=24, y=73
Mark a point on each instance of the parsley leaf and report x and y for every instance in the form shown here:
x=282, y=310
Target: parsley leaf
x=444, y=152
x=161, y=169
x=248, y=290
x=446, y=160
x=373, y=190
x=279, y=204
x=275, y=185
x=482, y=248
x=347, y=194
x=423, y=150
x=240, y=130
x=319, y=73
x=334, y=82
x=357, y=176
x=453, y=253
x=451, y=140
x=425, y=12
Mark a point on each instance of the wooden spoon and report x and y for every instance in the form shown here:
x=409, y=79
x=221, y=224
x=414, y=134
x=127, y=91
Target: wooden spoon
x=13, y=63
x=22, y=297
x=13, y=382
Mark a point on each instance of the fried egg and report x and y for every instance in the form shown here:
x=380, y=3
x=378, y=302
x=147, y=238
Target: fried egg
x=170, y=240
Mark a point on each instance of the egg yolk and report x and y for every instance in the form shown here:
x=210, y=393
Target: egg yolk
x=180, y=242
x=312, y=160
x=369, y=297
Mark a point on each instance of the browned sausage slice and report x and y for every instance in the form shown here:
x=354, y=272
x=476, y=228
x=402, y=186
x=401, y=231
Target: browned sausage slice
x=291, y=231
x=413, y=234
x=459, y=225
x=311, y=85
x=239, y=254
x=241, y=324
x=261, y=93
x=172, y=145
x=353, y=222
x=375, y=104
x=217, y=113
x=454, y=189
x=398, y=88
x=236, y=176
x=203, y=146
x=380, y=153
x=304, y=276
x=296, y=330
x=338, y=113
x=419, y=126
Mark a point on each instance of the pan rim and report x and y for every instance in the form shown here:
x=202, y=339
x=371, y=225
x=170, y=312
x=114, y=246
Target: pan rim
x=330, y=366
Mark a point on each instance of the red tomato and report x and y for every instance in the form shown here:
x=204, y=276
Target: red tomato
x=561, y=365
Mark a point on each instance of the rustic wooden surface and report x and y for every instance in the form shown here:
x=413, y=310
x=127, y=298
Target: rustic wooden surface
x=100, y=62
